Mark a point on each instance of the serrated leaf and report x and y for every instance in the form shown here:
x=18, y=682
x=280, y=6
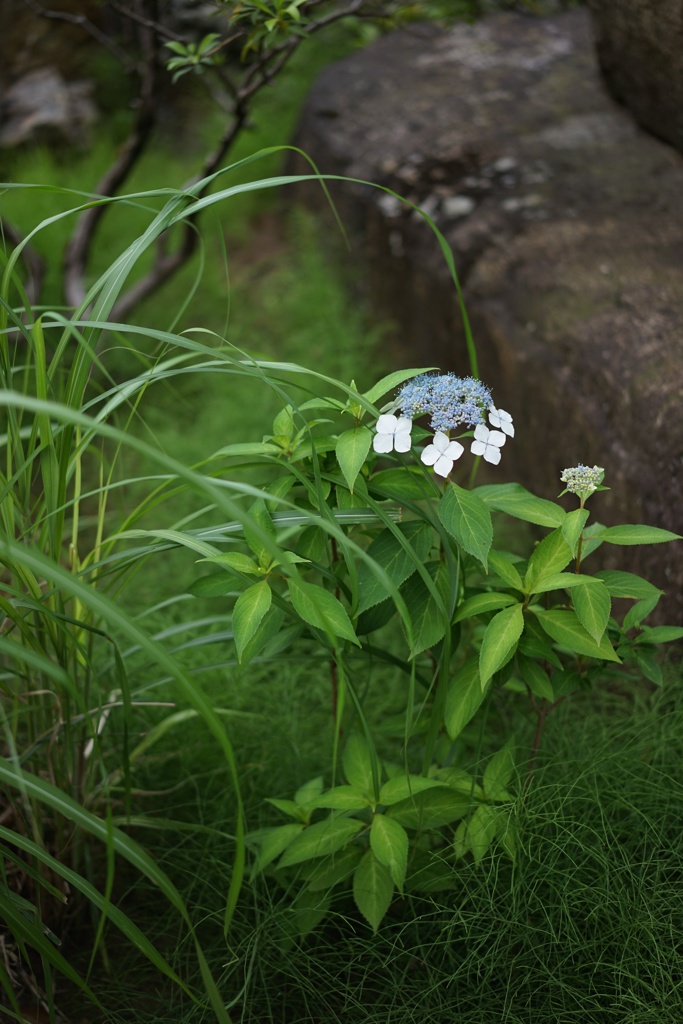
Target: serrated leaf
x=401, y=787
x=400, y=482
x=250, y=448
x=335, y=868
x=551, y=556
x=627, y=584
x=565, y=629
x=391, y=381
x=467, y=518
x=261, y=517
x=275, y=843
x=247, y=614
x=283, y=423
x=372, y=889
x=562, y=581
x=389, y=843
x=309, y=792
x=318, y=840
x=287, y=807
x=649, y=666
x=428, y=621
x=477, y=834
x=321, y=609
x=235, y=560
x=535, y=677
x=592, y=605
x=478, y=604
x=661, y=634
x=432, y=808
x=268, y=628
x=516, y=501
x=398, y=564
x=535, y=643
x=499, y=772
x=352, y=451
x=357, y=764
x=216, y=584
x=500, y=641
x=572, y=528
x=640, y=610
x=342, y=798
x=637, y=535
x=463, y=697
x=503, y=567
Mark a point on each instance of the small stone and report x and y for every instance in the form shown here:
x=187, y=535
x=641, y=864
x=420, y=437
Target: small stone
x=505, y=164
x=458, y=206
x=389, y=205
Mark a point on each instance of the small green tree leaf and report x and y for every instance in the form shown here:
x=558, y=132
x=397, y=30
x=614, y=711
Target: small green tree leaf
x=321, y=609
x=562, y=581
x=268, y=628
x=309, y=792
x=432, y=808
x=372, y=889
x=640, y=610
x=342, y=798
x=400, y=482
x=636, y=535
x=392, y=381
x=357, y=764
x=565, y=629
x=273, y=844
x=398, y=564
x=467, y=518
x=572, y=528
x=535, y=677
x=401, y=787
x=320, y=839
x=262, y=519
x=428, y=621
x=328, y=871
x=500, y=641
x=661, y=634
x=237, y=561
x=389, y=843
x=477, y=834
x=499, y=772
x=463, y=697
x=247, y=614
x=352, y=451
x=516, y=501
x=551, y=556
x=480, y=603
x=627, y=584
x=592, y=605
x=503, y=566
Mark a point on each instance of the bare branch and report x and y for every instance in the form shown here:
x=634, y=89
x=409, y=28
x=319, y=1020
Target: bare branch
x=80, y=19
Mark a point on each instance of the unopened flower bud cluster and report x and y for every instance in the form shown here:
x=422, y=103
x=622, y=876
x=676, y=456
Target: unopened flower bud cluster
x=451, y=403
x=582, y=480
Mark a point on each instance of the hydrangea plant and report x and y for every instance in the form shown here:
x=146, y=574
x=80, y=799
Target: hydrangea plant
x=360, y=544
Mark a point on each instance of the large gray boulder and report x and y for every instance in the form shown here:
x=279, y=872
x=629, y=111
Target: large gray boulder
x=566, y=222
x=41, y=107
x=640, y=49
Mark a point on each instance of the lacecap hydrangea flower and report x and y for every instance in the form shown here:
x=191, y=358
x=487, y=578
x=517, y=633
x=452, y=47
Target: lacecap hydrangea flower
x=582, y=480
x=451, y=403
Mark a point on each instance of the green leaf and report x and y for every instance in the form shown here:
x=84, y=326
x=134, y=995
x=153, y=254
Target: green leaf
x=401, y=787
x=500, y=641
x=320, y=839
x=288, y=807
x=327, y=872
x=551, y=556
x=566, y=630
x=250, y=448
x=467, y=518
x=477, y=834
x=502, y=565
x=352, y=451
x=269, y=627
x=309, y=792
x=499, y=772
x=216, y=584
x=661, y=634
x=283, y=424
x=649, y=666
x=463, y=697
x=432, y=808
x=627, y=584
x=321, y=609
x=357, y=764
x=248, y=613
x=481, y=603
x=342, y=798
x=516, y=501
x=236, y=560
x=572, y=528
x=400, y=482
x=273, y=844
x=262, y=519
x=428, y=622
x=389, y=843
x=535, y=677
x=562, y=581
x=636, y=535
x=592, y=605
x=391, y=381
x=640, y=610
x=398, y=564
x=534, y=643
x=372, y=889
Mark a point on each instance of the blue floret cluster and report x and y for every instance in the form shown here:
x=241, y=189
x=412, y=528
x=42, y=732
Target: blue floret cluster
x=451, y=401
